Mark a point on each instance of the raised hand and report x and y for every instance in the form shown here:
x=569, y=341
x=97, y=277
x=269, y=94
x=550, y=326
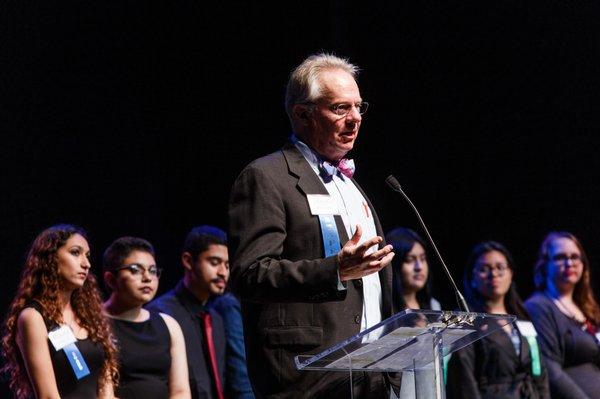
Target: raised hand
x=353, y=261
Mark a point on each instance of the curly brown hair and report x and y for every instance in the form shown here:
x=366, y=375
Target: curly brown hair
x=583, y=295
x=40, y=282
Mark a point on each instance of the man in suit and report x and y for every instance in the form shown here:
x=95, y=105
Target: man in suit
x=309, y=257
x=205, y=261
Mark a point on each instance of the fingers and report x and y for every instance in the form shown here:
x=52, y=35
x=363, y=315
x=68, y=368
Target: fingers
x=383, y=262
x=381, y=252
x=357, y=234
x=353, y=250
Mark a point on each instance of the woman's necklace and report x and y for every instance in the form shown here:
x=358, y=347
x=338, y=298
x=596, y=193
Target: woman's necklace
x=567, y=311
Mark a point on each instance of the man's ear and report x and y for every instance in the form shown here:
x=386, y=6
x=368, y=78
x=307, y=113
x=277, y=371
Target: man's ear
x=110, y=280
x=187, y=261
x=301, y=112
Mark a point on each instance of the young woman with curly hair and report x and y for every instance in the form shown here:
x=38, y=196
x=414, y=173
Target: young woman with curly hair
x=58, y=294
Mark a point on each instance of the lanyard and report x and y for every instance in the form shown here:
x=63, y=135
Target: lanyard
x=528, y=331
x=331, y=239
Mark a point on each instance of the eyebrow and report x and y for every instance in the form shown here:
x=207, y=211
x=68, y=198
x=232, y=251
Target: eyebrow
x=78, y=247
x=141, y=264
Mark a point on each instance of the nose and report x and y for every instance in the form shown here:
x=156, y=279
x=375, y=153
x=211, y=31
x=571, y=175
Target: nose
x=146, y=276
x=85, y=263
x=223, y=270
x=418, y=266
x=354, y=115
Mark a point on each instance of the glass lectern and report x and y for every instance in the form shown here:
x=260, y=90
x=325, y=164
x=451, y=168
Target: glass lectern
x=413, y=342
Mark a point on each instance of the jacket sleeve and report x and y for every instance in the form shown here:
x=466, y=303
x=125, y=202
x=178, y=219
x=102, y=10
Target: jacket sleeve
x=258, y=231
x=552, y=349
x=461, y=375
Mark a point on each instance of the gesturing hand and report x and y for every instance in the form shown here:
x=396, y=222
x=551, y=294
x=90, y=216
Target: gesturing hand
x=353, y=261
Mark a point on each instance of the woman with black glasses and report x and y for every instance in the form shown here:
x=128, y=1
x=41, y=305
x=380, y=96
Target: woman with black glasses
x=506, y=363
x=567, y=317
x=152, y=355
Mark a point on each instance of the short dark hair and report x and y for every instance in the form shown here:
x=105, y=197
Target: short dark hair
x=201, y=237
x=120, y=249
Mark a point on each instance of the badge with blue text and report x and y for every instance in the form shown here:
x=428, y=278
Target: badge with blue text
x=63, y=339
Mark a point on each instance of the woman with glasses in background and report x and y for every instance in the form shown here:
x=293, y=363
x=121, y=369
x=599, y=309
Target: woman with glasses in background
x=57, y=341
x=410, y=271
x=152, y=355
x=505, y=363
x=567, y=317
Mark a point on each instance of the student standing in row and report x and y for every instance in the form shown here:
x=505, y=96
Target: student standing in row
x=152, y=356
x=567, y=317
x=57, y=342
x=506, y=363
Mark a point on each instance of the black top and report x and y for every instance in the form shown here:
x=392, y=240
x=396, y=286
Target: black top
x=571, y=354
x=69, y=386
x=491, y=368
x=144, y=357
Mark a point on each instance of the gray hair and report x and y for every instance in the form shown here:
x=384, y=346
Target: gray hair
x=303, y=85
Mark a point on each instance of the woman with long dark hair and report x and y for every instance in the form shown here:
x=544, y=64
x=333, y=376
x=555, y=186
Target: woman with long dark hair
x=411, y=282
x=505, y=363
x=57, y=342
x=567, y=316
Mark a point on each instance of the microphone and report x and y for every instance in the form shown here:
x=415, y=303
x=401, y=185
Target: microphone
x=395, y=185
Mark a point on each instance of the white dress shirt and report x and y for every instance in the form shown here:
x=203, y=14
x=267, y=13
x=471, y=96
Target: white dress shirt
x=353, y=209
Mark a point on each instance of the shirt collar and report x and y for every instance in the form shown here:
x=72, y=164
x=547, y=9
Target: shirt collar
x=188, y=299
x=311, y=156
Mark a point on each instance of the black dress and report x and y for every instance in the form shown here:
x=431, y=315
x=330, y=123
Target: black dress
x=68, y=385
x=144, y=357
x=571, y=354
x=491, y=368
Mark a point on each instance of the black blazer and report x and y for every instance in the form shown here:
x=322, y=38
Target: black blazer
x=181, y=304
x=290, y=299
x=490, y=368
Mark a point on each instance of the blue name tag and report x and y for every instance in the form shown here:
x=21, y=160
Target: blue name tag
x=76, y=360
x=331, y=239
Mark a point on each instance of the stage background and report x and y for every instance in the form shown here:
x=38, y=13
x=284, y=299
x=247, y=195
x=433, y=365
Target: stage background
x=135, y=117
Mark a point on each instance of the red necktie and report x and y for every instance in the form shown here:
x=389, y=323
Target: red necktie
x=210, y=346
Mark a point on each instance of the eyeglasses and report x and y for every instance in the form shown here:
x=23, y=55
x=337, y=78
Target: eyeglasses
x=484, y=269
x=343, y=109
x=137, y=270
x=563, y=258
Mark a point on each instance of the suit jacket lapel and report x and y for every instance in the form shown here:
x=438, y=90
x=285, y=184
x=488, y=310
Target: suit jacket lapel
x=309, y=182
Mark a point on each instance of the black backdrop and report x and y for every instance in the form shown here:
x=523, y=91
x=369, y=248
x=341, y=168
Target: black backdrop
x=134, y=117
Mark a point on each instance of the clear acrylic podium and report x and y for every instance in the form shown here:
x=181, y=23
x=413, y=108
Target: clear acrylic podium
x=413, y=342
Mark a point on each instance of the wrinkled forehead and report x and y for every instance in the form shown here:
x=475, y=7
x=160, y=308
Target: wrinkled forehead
x=336, y=84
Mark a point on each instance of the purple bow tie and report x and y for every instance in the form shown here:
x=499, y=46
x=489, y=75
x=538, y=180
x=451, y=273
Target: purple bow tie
x=344, y=166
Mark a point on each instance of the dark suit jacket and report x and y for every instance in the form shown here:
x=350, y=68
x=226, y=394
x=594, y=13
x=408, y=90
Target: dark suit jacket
x=290, y=298
x=183, y=306
x=490, y=368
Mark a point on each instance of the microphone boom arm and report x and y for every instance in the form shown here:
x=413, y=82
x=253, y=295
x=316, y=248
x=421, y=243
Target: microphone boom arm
x=395, y=185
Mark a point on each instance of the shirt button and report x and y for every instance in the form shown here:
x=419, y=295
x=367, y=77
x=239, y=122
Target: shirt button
x=357, y=319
